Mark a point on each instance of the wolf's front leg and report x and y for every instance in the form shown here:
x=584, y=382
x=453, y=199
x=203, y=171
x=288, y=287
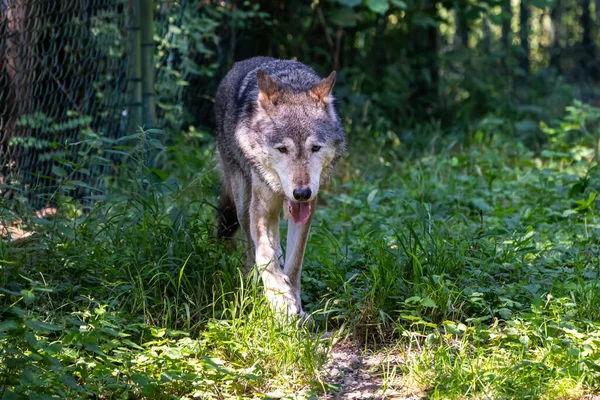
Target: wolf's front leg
x=297, y=236
x=265, y=208
x=241, y=195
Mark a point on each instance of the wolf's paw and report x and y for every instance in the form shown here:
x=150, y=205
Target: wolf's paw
x=285, y=303
x=283, y=297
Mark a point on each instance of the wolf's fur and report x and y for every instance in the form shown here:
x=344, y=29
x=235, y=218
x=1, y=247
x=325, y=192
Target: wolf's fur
x=278, y=136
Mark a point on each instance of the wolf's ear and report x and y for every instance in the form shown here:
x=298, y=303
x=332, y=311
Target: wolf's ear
x=268, y=89
x=322, y=90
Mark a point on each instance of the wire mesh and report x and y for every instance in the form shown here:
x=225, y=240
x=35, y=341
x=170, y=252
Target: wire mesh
x=63, y=86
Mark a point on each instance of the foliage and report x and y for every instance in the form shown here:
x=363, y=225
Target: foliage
x=460, y=235
x=398, y=61
x=190, y=52
x=99, y=310
x=476, y=264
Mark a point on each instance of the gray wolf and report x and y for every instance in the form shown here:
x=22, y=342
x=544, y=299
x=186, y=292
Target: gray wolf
x=278, y=136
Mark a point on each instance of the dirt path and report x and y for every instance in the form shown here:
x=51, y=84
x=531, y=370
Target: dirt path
x=362, y=374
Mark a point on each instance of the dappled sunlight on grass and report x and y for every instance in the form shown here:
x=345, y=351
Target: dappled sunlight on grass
x=244, y=349
x=539, y=356
x=478, y=265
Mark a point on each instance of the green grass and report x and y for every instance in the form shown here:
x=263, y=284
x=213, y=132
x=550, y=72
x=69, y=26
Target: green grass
x=476, y=265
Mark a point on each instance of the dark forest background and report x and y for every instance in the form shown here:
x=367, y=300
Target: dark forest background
x=400, y=63
x=74, y=73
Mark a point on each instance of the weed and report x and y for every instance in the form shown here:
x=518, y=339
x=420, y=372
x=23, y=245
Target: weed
x=477, y=264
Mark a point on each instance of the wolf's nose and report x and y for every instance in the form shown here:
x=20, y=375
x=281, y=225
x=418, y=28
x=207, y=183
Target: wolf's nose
x=302, y=194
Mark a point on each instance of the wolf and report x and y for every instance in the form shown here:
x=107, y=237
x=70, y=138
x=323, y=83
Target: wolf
x=278, y=136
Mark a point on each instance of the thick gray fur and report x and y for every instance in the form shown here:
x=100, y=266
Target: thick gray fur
x=253, y=186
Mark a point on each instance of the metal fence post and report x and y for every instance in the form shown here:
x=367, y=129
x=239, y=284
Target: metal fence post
x=134, y=109
x=147, y=59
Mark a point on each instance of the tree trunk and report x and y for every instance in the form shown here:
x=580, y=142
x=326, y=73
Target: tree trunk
x=462, y=24
x=147, y=59
x=524, y=36
x=506, y=20
x=134, y=112
x=507, y=14
x=555, y=49
x=17, y=46
x=487, y=35
x=425, y=67
x=379, y=45
x=586, y=24
x=588, y=58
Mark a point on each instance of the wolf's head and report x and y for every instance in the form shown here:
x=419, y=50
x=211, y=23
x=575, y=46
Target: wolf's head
x=301, y=137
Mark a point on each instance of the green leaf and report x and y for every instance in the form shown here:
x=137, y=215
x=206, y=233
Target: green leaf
x=158, y=332
x=505, y=313
x=497, y=19
x=59, y=171
x=344, y=16
x=93, y=347
x=174, y=29
x=550, y=154
x=526, y=126
x=541, y=4
x=480, y=204
x=399, y=3
x=578, y=187
x=110, y=331
x=150, y=389
x=413, y=299
x=140, y=380
x=8, y=326
x=423, y=20
x=378, y=6
x=524, y=340
x=586, y=204
x=372, y=195
x=431, y=339
x=8, y=395
x=31, y=340
x=132, y=344
x=160, y=174
x=135, y=136
x=41, y=326
x=428, y=302
x=350, y=3
x=451, y=327
x=66, y=231
x=567, y=213
x=573, y=352
x=69, y=381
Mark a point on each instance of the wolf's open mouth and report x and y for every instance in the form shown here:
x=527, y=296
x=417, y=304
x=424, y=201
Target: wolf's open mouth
x=299, y=212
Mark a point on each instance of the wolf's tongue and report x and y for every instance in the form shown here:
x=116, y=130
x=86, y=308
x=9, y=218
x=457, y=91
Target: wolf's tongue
x=300, y=212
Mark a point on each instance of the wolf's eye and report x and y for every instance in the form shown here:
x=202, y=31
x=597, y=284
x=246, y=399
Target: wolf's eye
x=282, y=149
x=316, y=148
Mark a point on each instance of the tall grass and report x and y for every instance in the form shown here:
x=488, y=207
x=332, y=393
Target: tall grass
x=478, y=268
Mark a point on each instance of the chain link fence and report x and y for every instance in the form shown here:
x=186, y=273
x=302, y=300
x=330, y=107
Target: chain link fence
x=71, y=85
x=79, y=77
